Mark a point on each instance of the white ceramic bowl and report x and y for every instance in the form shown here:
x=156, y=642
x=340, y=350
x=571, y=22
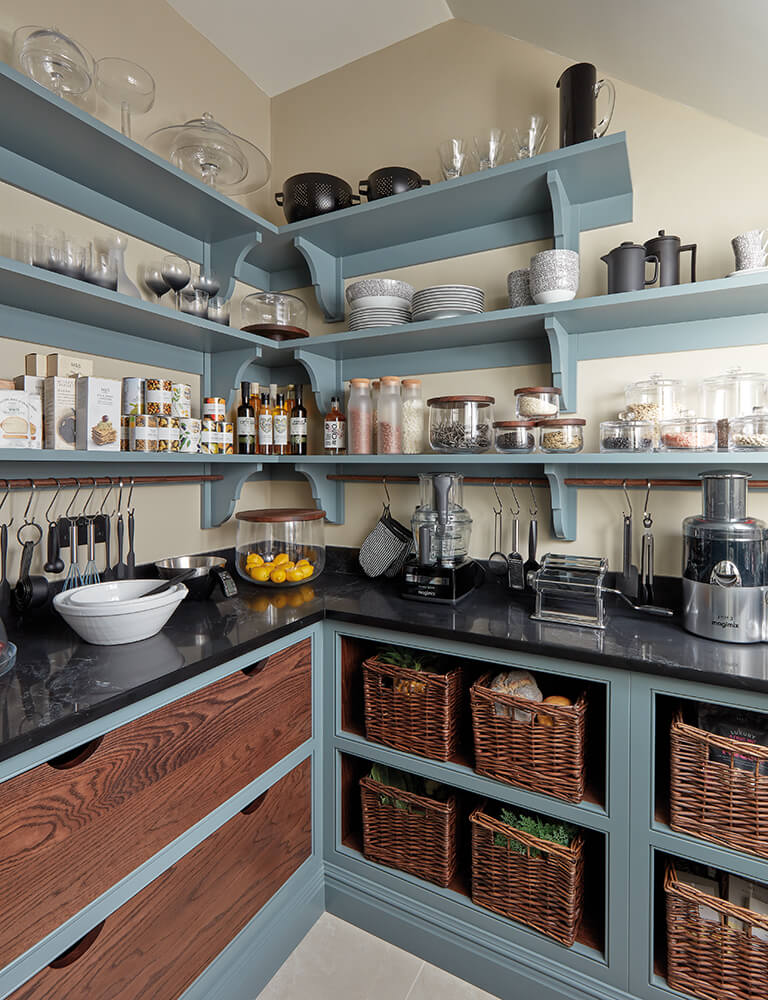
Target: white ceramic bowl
x=379, y=302
x=109, y=614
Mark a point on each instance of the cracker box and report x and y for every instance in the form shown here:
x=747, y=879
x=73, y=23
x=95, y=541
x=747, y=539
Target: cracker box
x=97, y=423
x=36, y=364
x=20, y=419
x=33, y=385
x=59, y=411
x=65, y=366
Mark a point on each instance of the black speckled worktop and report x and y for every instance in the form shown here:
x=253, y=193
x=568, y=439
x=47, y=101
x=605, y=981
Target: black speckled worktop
x=60, y=682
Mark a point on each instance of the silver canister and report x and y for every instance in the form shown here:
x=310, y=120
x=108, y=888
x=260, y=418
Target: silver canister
x=189, y=435
x=181, y=400
x=133, y=397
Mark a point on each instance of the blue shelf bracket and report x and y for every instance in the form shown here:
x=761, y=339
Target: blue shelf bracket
x=328, y=494
x=563, y=354
x=564, y=500
x=327, y=277
x=223, y=372
x=226, y=257
x=566, y=217
x=220, y=497
x=324, y=376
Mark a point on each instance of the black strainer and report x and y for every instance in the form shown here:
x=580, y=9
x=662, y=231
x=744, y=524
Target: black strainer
x=306, y=195
x=387, y=181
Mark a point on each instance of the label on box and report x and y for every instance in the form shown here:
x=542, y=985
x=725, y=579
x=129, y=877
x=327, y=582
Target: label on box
x=36, y=364
x=33, y=386
x=64, y=366
x=60, y=403
x=97, y=424
x=20, y=419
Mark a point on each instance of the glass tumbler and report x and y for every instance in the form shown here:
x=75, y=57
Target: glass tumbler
x=453, y=157
x=194, y=302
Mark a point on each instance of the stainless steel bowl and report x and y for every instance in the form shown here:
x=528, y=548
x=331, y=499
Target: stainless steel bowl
x=209, y=570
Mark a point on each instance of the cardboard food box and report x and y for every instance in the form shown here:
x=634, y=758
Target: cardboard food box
x=33, y=385
x=97, y=421
x=36, y=364
x=64, y=366
x=20, y=419
x=59, y=411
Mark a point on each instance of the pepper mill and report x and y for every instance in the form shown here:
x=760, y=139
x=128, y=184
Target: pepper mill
x=667, y=250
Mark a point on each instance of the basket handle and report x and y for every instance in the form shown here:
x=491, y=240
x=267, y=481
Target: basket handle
x=425, y=182
x=363, y=188
x=279, y=198
x=355, y=199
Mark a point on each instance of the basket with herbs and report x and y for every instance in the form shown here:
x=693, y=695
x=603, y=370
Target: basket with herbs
x=529, y=869
x=409, y=823
x=412, y=703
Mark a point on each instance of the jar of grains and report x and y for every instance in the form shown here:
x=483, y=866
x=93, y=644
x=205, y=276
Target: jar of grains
x=749, y=433
x=537, y=402
x=390, y=415
x=512, y=436
x=654, y=398
x=565, y=434
x=736, y=393
x=375, y=387
x=461, y=423
x=359, y=418
x=414, y=437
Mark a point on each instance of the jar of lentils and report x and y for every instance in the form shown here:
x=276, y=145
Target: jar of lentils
x=460, y=424
x=688, y=433
x=537, y=402
x=414, y=417
x=514, y=436
x=563, y=435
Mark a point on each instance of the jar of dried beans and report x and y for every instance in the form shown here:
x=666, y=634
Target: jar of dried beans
x=461, y=423
x=414, y=412
x=563, y=435
x=360, y=418
x=390, y=414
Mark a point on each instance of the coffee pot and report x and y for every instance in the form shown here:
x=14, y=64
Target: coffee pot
x=626, y=268
x=579, y=88
x=667, y=250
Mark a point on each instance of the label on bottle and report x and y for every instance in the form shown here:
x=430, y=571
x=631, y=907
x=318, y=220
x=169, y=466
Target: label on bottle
x=265, y=429
x=298, y=429
x=246, y=427
x=334, y=435
x=280, y=428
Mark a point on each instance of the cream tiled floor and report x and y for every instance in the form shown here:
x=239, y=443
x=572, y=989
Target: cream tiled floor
x=337, y=961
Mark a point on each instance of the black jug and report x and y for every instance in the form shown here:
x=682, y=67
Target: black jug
x=579, y=88
x=668, y=250
x=626, y=268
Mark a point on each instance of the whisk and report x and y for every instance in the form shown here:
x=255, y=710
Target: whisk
x=73, y=578
x=91, y=572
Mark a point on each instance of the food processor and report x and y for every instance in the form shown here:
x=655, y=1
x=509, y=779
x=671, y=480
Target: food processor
x=724, y=575
x=441, y=571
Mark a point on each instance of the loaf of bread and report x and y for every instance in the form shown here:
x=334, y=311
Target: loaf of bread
x=519, y=684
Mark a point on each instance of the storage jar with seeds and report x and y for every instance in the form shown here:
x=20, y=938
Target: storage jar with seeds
x=688, y=433
x=654, y=398
x=390, y=417
x=626, y=435
x=414, y=417
x=537, y=402
x=565, y=434
x=735, y=393
x=461, y=424
x=514, y=436
x=749, y=433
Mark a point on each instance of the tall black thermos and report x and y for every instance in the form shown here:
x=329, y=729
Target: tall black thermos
x=579, y=88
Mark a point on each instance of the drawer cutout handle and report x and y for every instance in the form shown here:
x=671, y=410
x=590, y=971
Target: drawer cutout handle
x=76, y=756
x=255, y=668
x=78, y=949
x=257, y=803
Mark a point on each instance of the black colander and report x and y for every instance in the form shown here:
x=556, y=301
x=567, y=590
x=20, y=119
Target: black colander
x=387, y=181
x=306, y=195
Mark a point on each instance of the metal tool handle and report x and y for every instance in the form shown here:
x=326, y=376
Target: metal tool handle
x=131, y=558
x=649, y=609
x=627, y=545
x=120, y=538
x=533, y=539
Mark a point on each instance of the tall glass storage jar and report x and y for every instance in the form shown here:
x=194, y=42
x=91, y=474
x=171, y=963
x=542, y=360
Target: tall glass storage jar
x=735, y=393
x=389, y=424
x=359, y=418
x=461, y=423
x=282, y=547
x=414, y=415
x=654, y=398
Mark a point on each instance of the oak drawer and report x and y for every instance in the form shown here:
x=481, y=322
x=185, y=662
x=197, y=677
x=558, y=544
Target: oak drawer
x=160, y=941
x=70, y=829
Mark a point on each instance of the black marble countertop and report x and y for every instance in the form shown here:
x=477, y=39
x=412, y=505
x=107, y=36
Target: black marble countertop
x=60, y=682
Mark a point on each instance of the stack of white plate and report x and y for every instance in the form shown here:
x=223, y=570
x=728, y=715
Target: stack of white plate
x=375, y=302
x=446, y=301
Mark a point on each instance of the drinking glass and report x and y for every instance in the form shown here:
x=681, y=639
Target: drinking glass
x=206, y=282
x=218, y=310
x=489, y=148
x=101, y=268
x=176, y=272
x=153, y=280
x=195, y=302
x=70, y=258
x=24, y=246
x=453, y=157
x=125, y=85
x=528, y=140
x=46, y=247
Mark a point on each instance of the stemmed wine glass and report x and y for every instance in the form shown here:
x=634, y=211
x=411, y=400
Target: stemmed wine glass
x=152, y=277
x=176, y=272
x=206, y=282
x=125, y=85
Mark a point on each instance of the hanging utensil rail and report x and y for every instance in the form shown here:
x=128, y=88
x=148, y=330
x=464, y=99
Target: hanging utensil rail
x=69, y=481
x=754, y=484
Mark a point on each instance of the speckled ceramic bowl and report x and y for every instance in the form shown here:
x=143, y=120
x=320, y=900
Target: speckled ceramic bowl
x=519, y=289
x=389, y=287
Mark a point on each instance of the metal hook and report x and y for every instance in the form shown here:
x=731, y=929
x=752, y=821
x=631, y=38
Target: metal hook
x=90, y=497
x=106, y=497
x=514, y=513
x=501, y=505
x=51, y=504
x=120, y=497
x=533, y=510
x=128, y=506
x=626, y=497
x=647, y=519
x=71, y=502
x=5, y=497
x=388, y=504
x=29, y=502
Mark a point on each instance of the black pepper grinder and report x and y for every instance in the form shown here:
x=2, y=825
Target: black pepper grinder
x=531, y=565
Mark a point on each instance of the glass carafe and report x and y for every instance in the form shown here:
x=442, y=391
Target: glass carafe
x=441, y=525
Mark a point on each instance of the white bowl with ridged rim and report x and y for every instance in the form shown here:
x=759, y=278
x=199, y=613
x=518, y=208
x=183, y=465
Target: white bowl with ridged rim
x=112, y=621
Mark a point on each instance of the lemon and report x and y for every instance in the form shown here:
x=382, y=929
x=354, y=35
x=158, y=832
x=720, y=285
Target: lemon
x=303, y=562
x=307, y=571
x=277, y=575
x=280, y=558
x=295, y=575
x=254, y=559
x=288, y=565
x=260, y=573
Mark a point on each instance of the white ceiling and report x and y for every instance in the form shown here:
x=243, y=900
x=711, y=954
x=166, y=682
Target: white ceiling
x=709, y=54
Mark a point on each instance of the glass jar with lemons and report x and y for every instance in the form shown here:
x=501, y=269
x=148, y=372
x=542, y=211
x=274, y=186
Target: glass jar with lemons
x=282, y=547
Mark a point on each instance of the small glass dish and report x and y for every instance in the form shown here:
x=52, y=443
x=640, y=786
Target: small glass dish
x=460, y=424
x=514, y=436
x=626, y=435
x=749, y=433
x=563, y=435
x=537, y=402
x=688, y=434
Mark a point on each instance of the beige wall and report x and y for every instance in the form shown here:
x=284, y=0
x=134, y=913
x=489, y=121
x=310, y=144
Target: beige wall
x=693, y=175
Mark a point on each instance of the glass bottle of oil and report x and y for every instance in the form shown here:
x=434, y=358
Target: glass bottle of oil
x=280, y=443
x=265, y=425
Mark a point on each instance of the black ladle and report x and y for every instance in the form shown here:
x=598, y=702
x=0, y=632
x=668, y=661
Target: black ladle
x=54, y=563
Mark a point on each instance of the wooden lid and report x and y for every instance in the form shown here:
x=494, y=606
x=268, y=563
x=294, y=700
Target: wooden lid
x=563, y=422
x=447, y=400
x=270, y=516
x=359, y=381
x=411, y=383
x=514, y=423
x=389, y=379
x=276, y=331
x=539, y=388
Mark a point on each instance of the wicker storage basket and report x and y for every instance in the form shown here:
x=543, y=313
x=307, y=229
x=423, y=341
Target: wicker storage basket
x=545, y=892
x=715, y=960
x=714, y=799
x=528, y=753
x=419, y=839
x=415, y=711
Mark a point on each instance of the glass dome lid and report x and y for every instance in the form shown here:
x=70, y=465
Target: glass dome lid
x=206, y=149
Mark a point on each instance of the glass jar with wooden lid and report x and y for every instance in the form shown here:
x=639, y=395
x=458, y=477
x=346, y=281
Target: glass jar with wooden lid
x=280, y=547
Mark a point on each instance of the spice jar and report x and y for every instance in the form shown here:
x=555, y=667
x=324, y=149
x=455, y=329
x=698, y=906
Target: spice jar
x=736, y=393
x=565, y=434
x=749, y=433
x=460, y=423
x=654, y=398
x=360, y=418
x=688, y=433
x=626, y=435
x=512, y=436
x=389, y=424
x=414, y=414
x=538, y=402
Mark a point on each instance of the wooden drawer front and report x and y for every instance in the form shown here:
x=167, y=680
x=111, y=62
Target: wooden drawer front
x=67, y=835
x=161, y=940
